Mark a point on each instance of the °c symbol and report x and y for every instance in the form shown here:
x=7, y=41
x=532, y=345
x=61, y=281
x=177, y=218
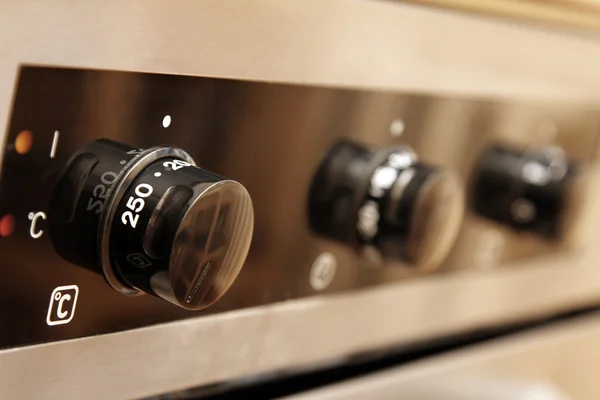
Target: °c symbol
x=34, y=231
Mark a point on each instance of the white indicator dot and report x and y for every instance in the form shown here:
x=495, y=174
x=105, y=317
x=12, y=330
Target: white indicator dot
x=397, y=127
x=157, y=174
x=166, y=121
x=122, y=162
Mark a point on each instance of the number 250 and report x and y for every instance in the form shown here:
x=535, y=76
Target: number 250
x=136, y=204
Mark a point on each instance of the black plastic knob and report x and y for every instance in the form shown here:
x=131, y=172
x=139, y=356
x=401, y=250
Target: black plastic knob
x=386, y=202
x=526, y=189
x=150, y=220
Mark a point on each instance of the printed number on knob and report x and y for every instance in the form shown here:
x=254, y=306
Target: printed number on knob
x=151, y=221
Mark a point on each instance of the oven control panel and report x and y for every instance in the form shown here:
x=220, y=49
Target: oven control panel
x=131, y=199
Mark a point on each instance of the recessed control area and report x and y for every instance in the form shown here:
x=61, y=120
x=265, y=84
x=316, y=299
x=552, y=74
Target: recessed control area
x=150, y=221
x=329, y=190
x=386, y=204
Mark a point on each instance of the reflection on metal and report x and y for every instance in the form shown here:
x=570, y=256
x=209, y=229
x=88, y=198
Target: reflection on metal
x=272, y=138
x=582, y=14
x=375, y=47
x=556, y=362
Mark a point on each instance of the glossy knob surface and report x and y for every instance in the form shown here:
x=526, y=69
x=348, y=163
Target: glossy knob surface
x=527, y=189
x=387, y=203
x=151, y=221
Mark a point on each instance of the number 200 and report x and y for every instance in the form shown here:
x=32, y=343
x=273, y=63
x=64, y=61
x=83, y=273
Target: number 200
x=136, y=204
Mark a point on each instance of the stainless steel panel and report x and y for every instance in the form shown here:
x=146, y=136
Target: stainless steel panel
x=562, y=14
x=271, y=138
x=555, y=362
x=340, y=43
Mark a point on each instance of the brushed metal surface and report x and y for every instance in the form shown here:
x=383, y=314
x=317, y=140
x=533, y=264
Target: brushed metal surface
x=342, y=43
x=563, y=14
x=271, y=138
x=558, y=361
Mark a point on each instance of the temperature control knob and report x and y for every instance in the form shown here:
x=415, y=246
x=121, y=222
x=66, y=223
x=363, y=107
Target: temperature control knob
x=385, y=202
x=151, y=221
x=529, y=189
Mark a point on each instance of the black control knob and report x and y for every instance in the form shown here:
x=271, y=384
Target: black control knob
x=386, y=202
x=150, y=220
x=528, y=189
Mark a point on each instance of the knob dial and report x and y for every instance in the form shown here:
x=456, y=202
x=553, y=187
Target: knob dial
x=151, y=221
x=385, y=202
x=529, y=189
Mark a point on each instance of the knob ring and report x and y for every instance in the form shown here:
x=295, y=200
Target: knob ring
x=379, y=159
x=126, y=178
x=362, y=197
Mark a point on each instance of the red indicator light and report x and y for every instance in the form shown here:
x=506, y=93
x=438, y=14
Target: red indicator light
x=7, y=225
